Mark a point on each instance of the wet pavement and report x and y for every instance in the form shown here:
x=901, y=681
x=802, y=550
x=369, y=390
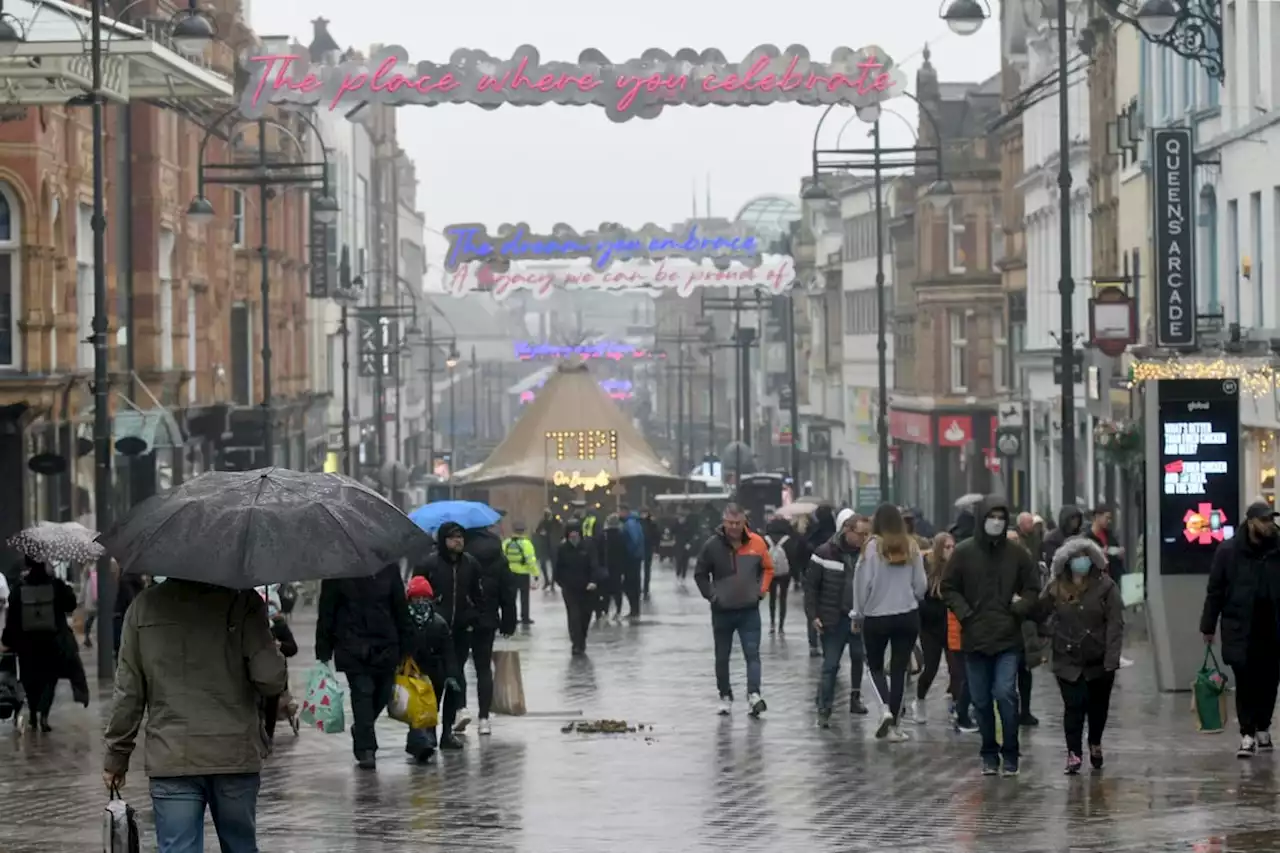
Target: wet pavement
x=697, y=782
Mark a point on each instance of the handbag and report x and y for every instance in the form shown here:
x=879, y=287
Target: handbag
x=119, y=826
x=1209, y=695
x=508, y=684
x=413, y=699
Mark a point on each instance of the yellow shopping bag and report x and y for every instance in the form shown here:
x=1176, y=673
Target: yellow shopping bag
x=413, y=700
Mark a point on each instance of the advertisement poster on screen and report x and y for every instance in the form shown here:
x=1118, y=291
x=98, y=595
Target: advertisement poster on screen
x=1199, y=471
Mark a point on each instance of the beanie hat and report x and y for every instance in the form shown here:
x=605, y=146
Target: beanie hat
x=419, y=587
x=842, y=517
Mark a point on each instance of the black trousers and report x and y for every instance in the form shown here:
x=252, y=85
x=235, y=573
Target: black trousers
x=1256, y=683
x=959, y=687
x=898, y=634
x=577, y=608
x=370, y=692
x=933, y=641
x=522, y=583
x=631, y=584
x=1086, y=700
x=1024, y=690
x=682, y=560
x=648, y=573
x=476, y=643
x=778, y=596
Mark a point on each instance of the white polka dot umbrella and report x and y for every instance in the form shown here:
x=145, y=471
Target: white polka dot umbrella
x=53, y=542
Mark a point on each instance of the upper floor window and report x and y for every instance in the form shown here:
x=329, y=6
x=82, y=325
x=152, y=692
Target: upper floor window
x=955, y=234
x=237, y=218
x=959, y=352
x=10, y=284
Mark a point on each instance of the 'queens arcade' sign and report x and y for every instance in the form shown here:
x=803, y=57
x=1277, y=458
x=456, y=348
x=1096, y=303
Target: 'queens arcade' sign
x=1175, y=237
x=637, y=88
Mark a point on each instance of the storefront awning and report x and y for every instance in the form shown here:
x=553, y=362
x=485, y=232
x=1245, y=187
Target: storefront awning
x=52, y=64
x=154, y=427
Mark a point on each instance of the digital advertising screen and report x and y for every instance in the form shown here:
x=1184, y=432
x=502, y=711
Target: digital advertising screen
x=1199, y=443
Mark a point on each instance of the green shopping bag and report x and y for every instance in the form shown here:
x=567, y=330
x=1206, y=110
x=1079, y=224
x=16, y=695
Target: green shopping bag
x=322, y=705
x=1209, y=695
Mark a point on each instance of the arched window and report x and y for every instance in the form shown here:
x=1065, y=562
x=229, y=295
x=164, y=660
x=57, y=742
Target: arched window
x=1209, y=240
x=10, y=279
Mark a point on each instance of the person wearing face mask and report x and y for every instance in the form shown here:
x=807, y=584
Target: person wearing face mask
x=990, y=585
x=1242, y=595
x=1085, y=609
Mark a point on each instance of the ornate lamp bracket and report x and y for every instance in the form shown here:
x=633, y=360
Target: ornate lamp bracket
x=1196, y=33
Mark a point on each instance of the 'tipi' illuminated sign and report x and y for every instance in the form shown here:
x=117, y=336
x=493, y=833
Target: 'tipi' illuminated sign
x=578, y=480
x=589, y=442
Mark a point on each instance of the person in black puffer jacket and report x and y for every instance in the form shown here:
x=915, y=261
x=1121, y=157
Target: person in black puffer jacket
x=580, y=576
x=454, y=576
x=828, y=600
x=363, y=626
x=495, y=613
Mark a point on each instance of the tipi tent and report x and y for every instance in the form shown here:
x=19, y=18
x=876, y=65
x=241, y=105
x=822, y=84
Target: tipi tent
x=570, y=402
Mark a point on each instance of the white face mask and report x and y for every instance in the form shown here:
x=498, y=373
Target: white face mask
x=995, y=526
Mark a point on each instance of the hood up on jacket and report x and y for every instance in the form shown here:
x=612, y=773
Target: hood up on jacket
x=980, y=512
x=1070, y=521
x=1074, y=547
x=449, y=528
x=964, y=526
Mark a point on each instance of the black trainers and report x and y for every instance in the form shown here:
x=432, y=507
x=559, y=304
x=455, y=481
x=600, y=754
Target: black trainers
x=1095, y=756
x=1010, y=767
x=1028, y=720
x=855, y=704
x=815, y=652
x=990, y=767
x=366, y=761
x=450, y=743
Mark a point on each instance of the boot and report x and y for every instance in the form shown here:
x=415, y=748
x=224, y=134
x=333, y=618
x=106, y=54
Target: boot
x=855, y=704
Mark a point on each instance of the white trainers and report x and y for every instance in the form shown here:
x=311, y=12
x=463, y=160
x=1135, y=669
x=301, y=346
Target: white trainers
x=1125, y=662
x=1248, y=747
x=1263, y=739
x=756, y=705
x=463, y=720
x=484, y=728
x=726, y=706
x=897, y=735
x=886, y=723
x=915, y=713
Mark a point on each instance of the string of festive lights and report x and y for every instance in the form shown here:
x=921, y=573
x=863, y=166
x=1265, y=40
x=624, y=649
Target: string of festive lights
x=1257, y=377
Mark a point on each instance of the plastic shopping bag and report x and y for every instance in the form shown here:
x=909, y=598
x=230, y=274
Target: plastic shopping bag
x=1209, y=695
x=508, y=684
x=322, y=704
x=413, y=699
x=119, y=827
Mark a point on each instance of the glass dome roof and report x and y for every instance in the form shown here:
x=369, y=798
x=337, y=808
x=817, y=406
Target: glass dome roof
x=770, y=215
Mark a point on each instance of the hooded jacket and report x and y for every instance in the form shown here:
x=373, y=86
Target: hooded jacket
x=495, y=584
x=576, y=563
x=882, y=588
x=1087, y=632
x=454, y=578
x=981, y=581
x=828, y=582
x=1070, y=523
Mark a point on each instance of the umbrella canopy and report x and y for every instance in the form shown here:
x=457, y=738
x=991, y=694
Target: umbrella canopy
x=243, y=529
x=969, y=501
x=470, y=514
x=57, y=542
x=796, y=509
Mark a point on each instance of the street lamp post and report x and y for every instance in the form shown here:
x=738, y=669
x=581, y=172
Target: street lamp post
x=347, y=295
x=1191, y=29
x=881, y=159
x=266, y=173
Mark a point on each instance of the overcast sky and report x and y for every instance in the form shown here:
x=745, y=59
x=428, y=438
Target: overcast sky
x=571, y=164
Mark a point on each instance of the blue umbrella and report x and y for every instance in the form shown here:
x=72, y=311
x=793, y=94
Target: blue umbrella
x=470, y=514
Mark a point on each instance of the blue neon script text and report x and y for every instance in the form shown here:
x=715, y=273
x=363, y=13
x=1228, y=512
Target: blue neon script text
x=472, y=243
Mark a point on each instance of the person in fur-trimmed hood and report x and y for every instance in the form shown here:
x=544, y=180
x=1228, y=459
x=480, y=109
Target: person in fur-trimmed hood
x=1085, y=613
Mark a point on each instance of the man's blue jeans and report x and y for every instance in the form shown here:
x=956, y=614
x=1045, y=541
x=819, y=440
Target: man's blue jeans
x=993, y=684
x=834, y=640
x=746, y=622
x=179, y=803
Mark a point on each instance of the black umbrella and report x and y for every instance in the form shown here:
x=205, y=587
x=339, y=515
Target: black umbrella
x=250, y=528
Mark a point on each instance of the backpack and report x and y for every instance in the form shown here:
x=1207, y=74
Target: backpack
x=37, y=608
x=781, y=564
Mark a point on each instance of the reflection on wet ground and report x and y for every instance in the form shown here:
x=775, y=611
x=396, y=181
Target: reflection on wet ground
x=698, y=782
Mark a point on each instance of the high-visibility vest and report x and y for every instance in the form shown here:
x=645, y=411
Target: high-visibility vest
x=521, y=556
x=589, y=526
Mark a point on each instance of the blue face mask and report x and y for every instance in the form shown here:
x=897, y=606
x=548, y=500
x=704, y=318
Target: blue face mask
x=1081, y=565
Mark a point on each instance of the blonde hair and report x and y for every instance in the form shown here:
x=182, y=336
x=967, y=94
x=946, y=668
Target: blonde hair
x=896, y=546
x=934, y=564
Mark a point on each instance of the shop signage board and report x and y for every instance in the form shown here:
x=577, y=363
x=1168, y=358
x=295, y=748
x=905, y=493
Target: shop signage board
x=611, y=350
x=1199, y=470
x=1173, y=194
x=636, y=88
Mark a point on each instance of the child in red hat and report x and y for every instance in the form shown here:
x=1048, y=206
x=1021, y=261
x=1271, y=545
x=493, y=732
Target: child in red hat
x=431, y=648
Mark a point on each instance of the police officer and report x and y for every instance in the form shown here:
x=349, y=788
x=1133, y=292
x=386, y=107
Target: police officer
x=523, y=559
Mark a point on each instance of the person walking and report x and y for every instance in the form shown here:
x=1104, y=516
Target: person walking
x=990, y=583
x=961, y=706
x=637, y=553
x=580, y=575
x=652, y=538
x=828, y=602
x=887, y=588
x=454, y=576
x=1070, y=523
x=1084, y=609
x=546, y=539
x=205, y=739
x=733, y=574
x=495, y=613
x=933, y=624
x=1241, y=594
x=819, y=532
x=36, y=629
x=89, y=603
x=431, y=648
x=783, y=544
x=614, y=553
x=363, y=627
x=522, y=557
